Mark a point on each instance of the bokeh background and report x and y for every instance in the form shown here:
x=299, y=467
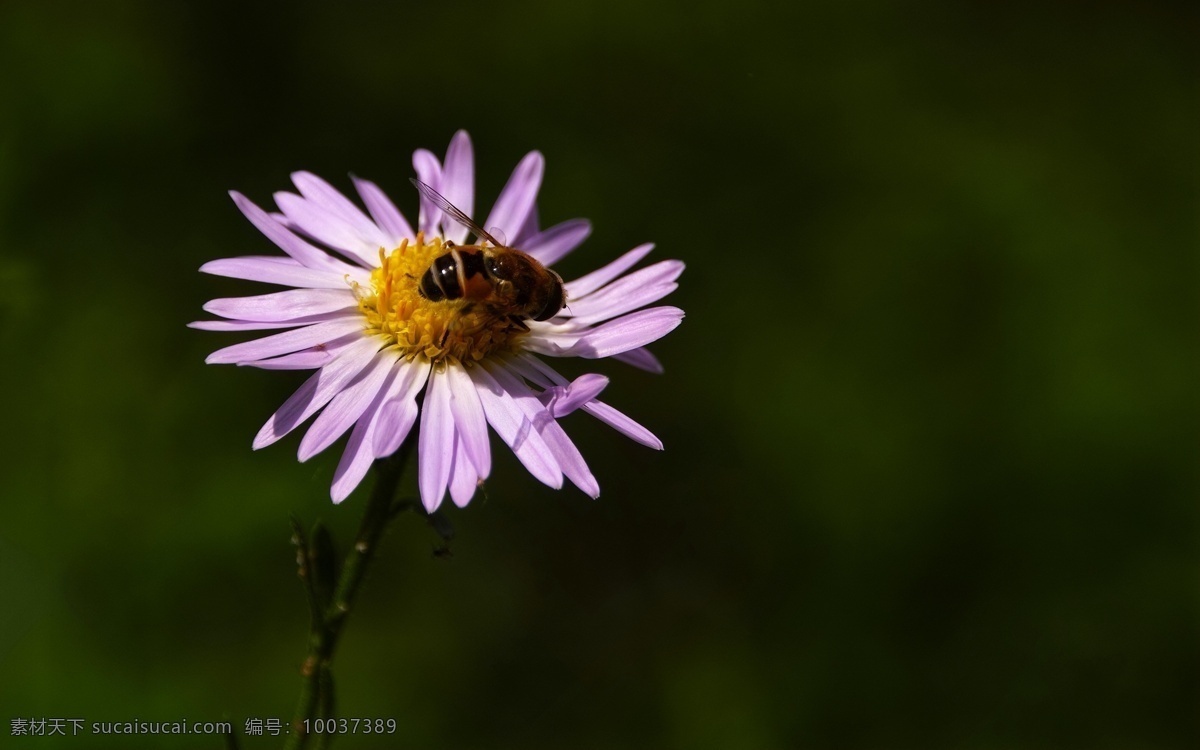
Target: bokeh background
x=930, y=470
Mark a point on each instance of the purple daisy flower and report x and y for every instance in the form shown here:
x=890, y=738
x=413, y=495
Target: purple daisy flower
x=377, y=342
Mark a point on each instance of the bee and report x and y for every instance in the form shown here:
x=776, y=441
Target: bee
x=507, y=281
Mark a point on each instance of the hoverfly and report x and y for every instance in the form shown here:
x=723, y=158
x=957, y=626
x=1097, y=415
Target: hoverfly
x=507, y=281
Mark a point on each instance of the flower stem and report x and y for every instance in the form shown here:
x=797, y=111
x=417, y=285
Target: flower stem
x=329, y=612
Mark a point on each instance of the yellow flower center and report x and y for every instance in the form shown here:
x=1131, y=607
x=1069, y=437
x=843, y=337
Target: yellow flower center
x=455, y=330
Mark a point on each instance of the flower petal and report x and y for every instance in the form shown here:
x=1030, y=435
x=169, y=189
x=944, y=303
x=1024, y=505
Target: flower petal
x=329, y=228
x=586, y=313
x=510, y=423
x=283, y=306
x=384, y=212
x=458, y=184
x=545, y=376
x=518, y=196
x=281, y=270
x=358, y=456
x=629, y=332
x=347, y=406
x=399, y=414
x=638, y=289
x=308, y=255
x=326, y=196
x=561, y=400
x=623, y=424
x=551, y=245
x=429, y=171
x=307, y=359
x=588, y=283
x=564, y=451
x=255, y=325
x=469, y=420
x=436, y=449
x=286, y=342
x=463, y=476
x=642, y=359
x=318, y=390
x=528, y=229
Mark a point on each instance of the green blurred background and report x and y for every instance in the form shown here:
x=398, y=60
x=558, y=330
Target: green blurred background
x=930, y=424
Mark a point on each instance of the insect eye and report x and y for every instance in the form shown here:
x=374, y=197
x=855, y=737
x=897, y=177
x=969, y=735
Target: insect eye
x=553, y=304
x=494, y=266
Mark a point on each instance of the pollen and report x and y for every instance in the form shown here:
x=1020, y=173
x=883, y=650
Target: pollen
x=448, y=330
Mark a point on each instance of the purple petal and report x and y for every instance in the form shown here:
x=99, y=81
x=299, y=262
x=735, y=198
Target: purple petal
x=306, y=254
x=553, y=244
x=537, y=371
x=384, y=212
x=561, y=400
x=518, y=196
x=564, y=451
x=283, y=271
x=458, y=184
x=640, y=288
x=318, y=390
x=396, y=420
x=287, y=342
x=588, y=283
x=399, y=414
x=358, y=456
x=308, y=359
x=356, y=459
x=329, y=228
x=469, y=420
x=528, y=229
x=620, y=335
x=623, y=424
x=242, y=325
x=283, y=306
x=347, y=406
x=463, y=476
x=641, y=359
x=510, y=423
x=587, y=312
x=327, y=197
x=429, y=171
x=436, y=450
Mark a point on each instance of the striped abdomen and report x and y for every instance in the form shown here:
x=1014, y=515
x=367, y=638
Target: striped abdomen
x=459, y=274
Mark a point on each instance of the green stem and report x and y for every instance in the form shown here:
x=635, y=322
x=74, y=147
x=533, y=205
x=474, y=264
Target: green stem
x=329, y=618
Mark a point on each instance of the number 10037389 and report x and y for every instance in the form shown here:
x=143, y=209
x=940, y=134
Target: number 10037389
x=350, y=726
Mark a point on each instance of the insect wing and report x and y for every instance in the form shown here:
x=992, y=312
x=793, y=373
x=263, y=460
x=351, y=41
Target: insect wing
x=452, y=210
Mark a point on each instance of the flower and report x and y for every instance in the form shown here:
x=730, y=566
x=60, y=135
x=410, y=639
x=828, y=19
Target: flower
x=377, y=342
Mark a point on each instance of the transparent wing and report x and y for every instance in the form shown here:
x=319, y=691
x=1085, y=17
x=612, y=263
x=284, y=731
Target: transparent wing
x=452, y=210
